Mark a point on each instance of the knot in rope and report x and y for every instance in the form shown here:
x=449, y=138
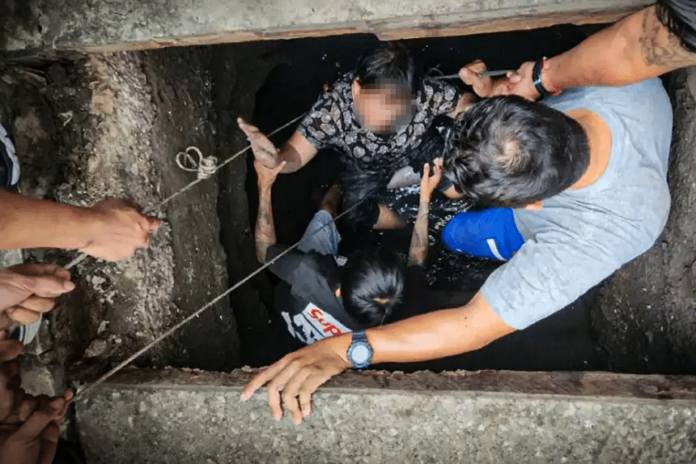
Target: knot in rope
x=203, y=166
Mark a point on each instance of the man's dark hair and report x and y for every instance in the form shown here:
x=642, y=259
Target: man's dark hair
x=387, y=64
x=371, y=285
x=510, y=152
x=679, y=17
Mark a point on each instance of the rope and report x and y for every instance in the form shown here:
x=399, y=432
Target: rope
x=204, y=166
x=188, y=187
x=200, y=311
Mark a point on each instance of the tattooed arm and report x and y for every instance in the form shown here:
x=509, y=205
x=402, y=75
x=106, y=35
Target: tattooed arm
x=265, y=235
x=418, y=252
x=636, y=48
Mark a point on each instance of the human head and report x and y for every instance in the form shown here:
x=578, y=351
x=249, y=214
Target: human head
x=384, y=86
x=679, y=17
x=372, y=283
x=510, y=152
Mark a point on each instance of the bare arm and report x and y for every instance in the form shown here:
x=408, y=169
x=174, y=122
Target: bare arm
x=636, y=48
x=265, y=228
x=430, y=336
x=112, y=229
x=265, y=235
x=418, y=252
x=34, y=223
x=296, y=152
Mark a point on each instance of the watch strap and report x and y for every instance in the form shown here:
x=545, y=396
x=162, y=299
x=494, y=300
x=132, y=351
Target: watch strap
x=359, y=336
x=536, y=78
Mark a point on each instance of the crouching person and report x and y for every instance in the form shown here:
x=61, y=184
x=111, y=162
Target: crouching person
x=331, y=295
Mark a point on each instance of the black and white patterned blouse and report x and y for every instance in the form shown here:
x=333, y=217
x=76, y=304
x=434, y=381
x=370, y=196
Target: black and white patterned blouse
x=331, y=123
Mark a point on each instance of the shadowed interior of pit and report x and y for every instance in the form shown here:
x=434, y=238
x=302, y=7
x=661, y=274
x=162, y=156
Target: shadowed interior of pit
x=564, y=341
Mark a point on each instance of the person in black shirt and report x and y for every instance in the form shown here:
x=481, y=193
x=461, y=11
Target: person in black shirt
x=331, y=295
x=377, y=118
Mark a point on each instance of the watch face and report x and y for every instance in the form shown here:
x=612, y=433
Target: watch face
x=360, y=354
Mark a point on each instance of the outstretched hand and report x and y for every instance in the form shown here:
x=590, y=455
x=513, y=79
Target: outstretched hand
x=294, y=378
x=430, y=183
x=264, y=150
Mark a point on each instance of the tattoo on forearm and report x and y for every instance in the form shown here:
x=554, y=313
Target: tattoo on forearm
x=419, y=242
x=659, y=46
x=265, y=227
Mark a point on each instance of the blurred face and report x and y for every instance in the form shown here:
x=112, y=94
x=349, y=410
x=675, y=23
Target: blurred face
x=382, y=110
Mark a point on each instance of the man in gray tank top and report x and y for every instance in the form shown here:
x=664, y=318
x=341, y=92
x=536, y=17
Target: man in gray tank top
x=573, y=230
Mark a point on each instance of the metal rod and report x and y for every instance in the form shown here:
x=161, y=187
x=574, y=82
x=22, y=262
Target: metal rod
x=481, y=74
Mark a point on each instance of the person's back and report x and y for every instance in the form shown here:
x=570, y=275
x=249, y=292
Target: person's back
x=598, y=228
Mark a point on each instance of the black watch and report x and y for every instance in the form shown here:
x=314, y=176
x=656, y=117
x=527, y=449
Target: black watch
x=536, y=78
x=359, y=352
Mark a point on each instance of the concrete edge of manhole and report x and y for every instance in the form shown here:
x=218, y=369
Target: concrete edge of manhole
x=596, y=385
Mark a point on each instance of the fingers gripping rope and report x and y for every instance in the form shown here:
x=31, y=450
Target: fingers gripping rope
x=204, y=166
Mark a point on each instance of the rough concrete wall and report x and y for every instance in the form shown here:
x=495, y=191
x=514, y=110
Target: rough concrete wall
x=110, y=126
x=108, y=26
x=487, y=417
x=646, y=318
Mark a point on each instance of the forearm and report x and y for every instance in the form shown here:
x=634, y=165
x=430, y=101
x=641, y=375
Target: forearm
x=35, y=223
x=418, y=251
x=635, y=48
x=438, y=334
x=293, y=160
x=265, y=235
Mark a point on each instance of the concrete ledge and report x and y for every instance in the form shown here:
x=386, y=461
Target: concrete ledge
x=186, y=416
x=130, y=25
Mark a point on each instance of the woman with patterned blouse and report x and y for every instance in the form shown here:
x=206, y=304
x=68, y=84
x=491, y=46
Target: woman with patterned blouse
x=377, y=118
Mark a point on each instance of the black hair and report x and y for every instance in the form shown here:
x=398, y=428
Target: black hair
x=510, y=152
x=367, y=188
x=387, y=63
x=679, y=17
x=372, y=285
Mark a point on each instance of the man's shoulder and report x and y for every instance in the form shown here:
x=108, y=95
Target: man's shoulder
x=627, y=96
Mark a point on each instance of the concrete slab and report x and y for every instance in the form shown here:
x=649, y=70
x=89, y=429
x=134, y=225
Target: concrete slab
x=175, y=416
x=130, y=24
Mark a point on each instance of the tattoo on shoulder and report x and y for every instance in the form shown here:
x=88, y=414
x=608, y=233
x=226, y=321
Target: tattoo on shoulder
x=659, y=46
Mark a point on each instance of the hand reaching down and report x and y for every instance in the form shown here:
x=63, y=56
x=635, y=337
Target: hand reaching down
x=292, y=380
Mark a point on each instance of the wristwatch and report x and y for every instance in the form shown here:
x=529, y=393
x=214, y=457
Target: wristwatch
x=536, y=78
x=359, y=352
